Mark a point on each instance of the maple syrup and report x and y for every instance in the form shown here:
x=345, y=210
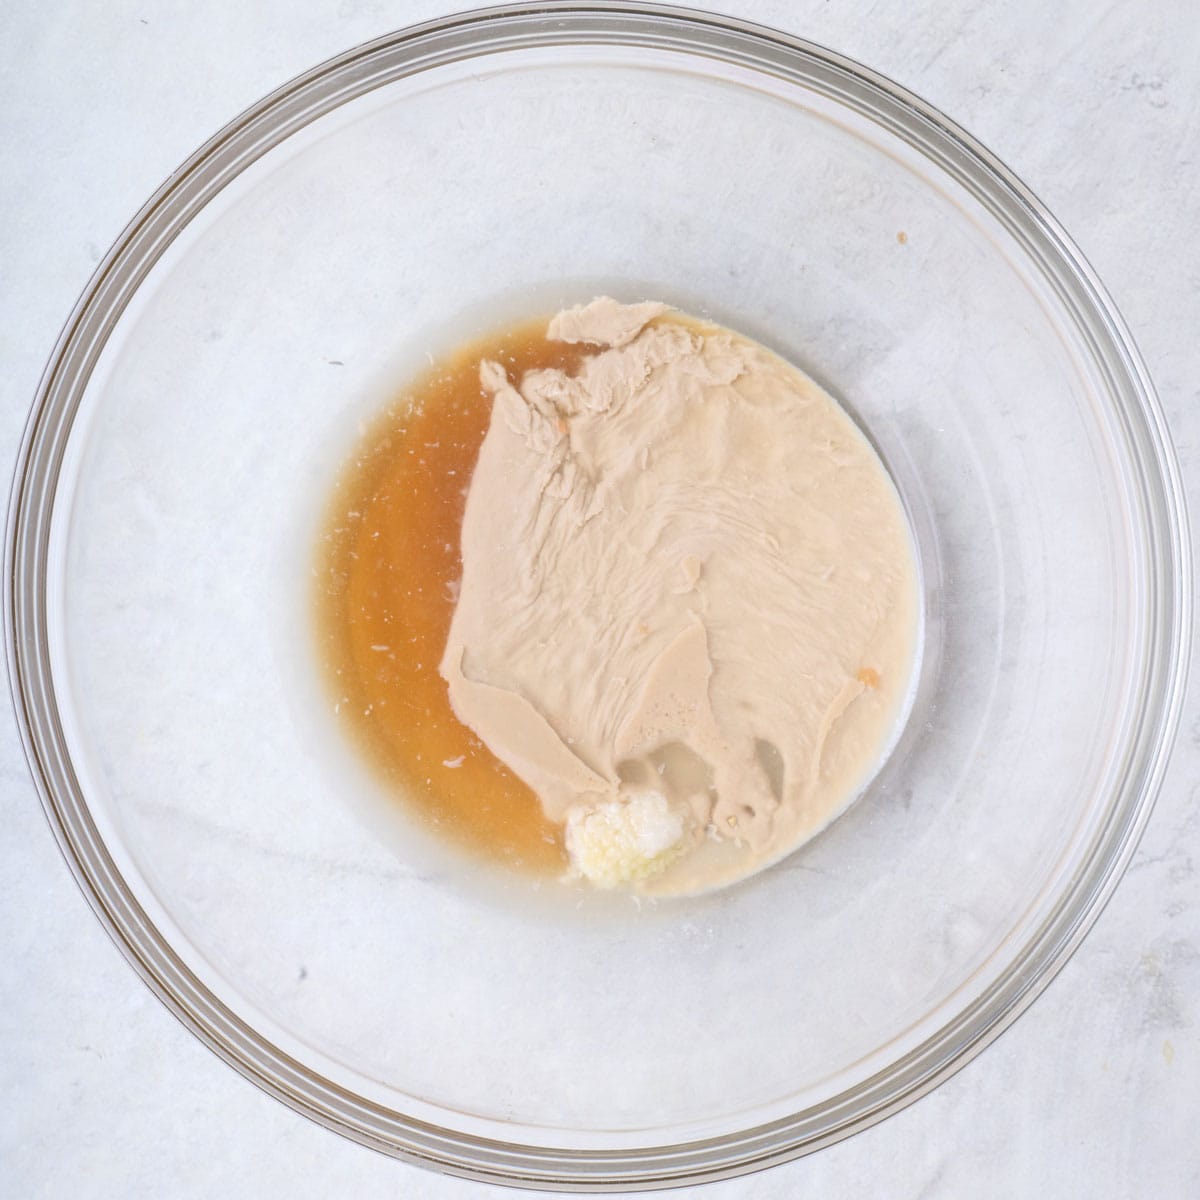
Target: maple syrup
x=387, y=577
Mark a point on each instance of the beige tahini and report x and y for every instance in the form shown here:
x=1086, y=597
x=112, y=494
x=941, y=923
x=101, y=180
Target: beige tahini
x=688, y=609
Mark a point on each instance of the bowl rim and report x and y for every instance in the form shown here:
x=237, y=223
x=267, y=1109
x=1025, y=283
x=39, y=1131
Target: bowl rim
x=271, y=121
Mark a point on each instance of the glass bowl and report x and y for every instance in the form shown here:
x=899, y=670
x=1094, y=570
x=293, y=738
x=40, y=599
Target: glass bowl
x=282, y=286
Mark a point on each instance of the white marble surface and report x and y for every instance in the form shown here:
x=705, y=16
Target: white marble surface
x=1094, y=1091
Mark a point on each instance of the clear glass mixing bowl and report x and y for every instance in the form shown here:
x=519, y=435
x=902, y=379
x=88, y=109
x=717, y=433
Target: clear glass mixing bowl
x=281, y=286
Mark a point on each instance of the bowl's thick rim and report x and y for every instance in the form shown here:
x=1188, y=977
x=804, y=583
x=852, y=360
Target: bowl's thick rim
x=1166, y=558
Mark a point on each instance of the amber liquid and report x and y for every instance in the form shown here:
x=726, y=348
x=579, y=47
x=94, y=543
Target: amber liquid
x=388, y=571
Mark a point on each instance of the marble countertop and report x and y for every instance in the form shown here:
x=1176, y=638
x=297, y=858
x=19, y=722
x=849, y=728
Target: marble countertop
x=1094, y=1091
